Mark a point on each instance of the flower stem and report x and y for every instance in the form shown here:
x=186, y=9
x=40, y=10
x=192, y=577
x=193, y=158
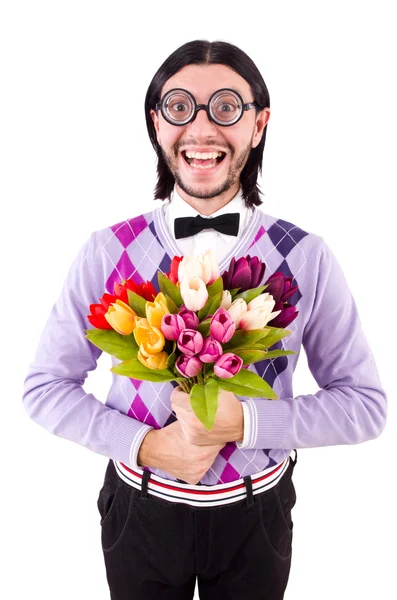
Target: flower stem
x=184, y=386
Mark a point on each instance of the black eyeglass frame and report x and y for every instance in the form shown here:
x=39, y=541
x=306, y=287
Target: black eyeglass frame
x=244, y=107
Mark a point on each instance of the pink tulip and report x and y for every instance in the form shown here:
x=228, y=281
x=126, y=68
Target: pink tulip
x=190, y=342
x=191, y=319
x=222, y=326
x=193, y=292
x=211, y=350
x=228, y=365
x=188, y=366
x=171, y=326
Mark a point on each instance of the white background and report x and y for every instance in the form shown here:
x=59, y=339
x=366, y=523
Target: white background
x=75, y=157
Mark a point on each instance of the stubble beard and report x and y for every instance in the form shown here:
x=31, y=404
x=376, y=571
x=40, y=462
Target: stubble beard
x=206, y=194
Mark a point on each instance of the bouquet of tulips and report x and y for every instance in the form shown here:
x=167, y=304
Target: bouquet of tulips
x=202, y=329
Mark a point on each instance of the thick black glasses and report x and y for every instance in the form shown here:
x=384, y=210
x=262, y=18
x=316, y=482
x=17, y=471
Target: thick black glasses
x=225, y=107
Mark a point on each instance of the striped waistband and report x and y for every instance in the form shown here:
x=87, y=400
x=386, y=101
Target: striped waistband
x=202, y=495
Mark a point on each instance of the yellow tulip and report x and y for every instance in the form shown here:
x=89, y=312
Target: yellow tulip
x=158, y=361
x=149, y=339
x=121, y=317
x=156, y=310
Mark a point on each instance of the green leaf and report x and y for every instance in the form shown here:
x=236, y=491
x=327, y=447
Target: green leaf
x=204, y=327
x=276, y=353
x=169, y=289
x=135, y=369
x=123, y=347
x=204, y=401
x=172, y=358
x=249, y=295
x=250, y=356
x=172, y=307
x=137, y=303
x=247, y=383
x=233, y=292
x=215, y=287
x=208, y=370
x=275, y=335
x=210, y=306
x=259, y=346
x=244, y=338
x=262, y=348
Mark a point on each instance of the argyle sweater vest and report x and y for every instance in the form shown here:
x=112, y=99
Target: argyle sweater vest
x=349, y=407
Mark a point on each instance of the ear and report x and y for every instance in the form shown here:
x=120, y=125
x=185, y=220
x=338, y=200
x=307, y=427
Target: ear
x=262, y=119
x=155, y=120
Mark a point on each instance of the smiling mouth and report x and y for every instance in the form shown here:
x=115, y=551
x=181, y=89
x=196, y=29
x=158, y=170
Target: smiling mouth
x=204, y=163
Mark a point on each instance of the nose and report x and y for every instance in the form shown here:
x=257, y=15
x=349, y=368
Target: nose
x=202, y=125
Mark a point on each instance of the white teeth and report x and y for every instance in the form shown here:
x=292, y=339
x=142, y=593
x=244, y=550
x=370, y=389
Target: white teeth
x=203, y=155
x=210, y=166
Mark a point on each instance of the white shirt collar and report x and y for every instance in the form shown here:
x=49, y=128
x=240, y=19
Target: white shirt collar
x=177, y=207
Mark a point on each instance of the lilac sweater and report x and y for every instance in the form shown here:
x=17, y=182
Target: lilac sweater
x=348, y=408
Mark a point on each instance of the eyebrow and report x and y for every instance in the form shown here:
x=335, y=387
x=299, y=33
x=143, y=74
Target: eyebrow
x=236, y=89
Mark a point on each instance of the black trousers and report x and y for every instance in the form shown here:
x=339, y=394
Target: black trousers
x=155, y=549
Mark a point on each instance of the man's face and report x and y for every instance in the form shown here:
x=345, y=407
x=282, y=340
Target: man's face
x=199, y=179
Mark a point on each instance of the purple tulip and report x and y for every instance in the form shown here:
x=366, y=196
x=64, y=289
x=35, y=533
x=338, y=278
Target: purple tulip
x=228, y=365
x=189, y=316
x=222, y=326
x=188, y=366
x=171, y=326
x=211, y=350
x=285, y=318
x=245, y=273
x=190, y=342
x=280, y=286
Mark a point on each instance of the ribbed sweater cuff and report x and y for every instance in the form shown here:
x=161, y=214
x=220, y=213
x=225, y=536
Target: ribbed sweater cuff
x=247, y=427
x=124, y=439
x=267, y=423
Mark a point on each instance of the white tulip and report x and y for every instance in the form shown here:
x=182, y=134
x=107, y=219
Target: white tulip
x=190, y=267
x=194, y=293
x=210, y=267
x=236, y=309
x=262, y=300
x=226, y=299
x=203, y=266
x=257, y=318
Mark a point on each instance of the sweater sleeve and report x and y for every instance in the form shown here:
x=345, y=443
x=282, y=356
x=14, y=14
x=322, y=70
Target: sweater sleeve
x=350, y=407
x=53, y=394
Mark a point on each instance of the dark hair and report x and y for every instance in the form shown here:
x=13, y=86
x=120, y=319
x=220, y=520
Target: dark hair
x=202, y=52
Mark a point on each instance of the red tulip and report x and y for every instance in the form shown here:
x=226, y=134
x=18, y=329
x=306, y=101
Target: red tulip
x=173, y=274
x=145, y=290
x=98, y=311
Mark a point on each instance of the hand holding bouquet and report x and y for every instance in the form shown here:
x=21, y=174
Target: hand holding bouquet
x=201, y=329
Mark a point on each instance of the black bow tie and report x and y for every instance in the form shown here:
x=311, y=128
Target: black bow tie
x=187, y=226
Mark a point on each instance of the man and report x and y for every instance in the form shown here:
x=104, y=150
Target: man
x=181, y=503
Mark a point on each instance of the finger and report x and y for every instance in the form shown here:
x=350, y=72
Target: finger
x=181, y=399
